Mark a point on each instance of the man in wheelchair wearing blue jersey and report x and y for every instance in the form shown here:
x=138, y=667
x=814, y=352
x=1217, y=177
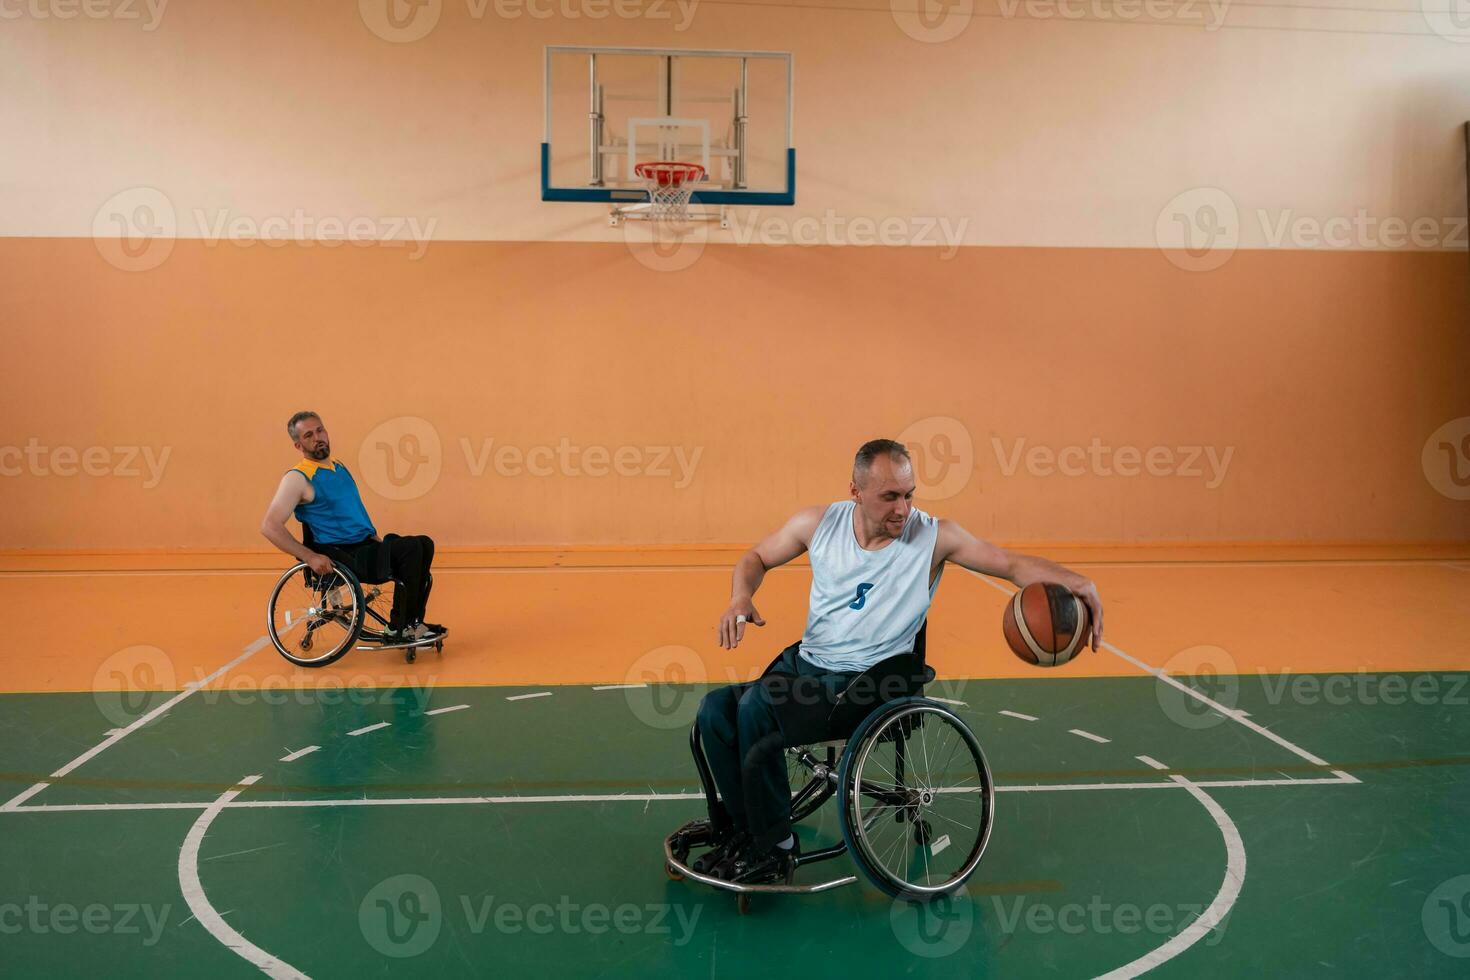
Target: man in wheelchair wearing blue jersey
x=876, y=561
x=320, y=492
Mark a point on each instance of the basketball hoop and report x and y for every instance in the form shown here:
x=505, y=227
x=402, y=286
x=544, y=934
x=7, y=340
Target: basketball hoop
x=670, y=185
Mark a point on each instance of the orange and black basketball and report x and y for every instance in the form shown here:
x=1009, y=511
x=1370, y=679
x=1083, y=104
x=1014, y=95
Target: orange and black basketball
x=1045, y=624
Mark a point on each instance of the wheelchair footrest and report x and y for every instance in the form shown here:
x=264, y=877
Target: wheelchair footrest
x=682, y=839
x=411, y=645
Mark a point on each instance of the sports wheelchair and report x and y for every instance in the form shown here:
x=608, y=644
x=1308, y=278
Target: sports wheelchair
x=313, y=620
x=916, y=797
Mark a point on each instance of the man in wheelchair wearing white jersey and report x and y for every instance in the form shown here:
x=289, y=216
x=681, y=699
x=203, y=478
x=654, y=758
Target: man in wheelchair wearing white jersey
x=876, y=561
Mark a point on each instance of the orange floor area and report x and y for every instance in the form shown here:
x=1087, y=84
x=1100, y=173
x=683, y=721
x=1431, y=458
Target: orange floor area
x=575, y=620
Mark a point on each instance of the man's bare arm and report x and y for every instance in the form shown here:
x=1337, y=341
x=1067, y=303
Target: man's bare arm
x=273, y=526
x=775, y=550
x=964, y=549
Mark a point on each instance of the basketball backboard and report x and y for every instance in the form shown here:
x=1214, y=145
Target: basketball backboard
x=609, y=109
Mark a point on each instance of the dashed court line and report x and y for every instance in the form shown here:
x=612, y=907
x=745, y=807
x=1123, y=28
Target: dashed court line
x=444, y=711
x=299, y=753
x=1089, y=736
x=524, y=697
x=1017, y=714
x=1163, y=675
x=616, y=687
x=369, y=728
x=1150, y=762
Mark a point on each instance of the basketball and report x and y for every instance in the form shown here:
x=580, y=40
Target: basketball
x=1045, y=624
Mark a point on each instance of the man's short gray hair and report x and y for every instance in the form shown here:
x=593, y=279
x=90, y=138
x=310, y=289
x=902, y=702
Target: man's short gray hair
x=299, y=417
x=871, y=450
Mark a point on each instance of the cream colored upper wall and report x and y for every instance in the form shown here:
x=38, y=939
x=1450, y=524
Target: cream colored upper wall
x=1028, y=128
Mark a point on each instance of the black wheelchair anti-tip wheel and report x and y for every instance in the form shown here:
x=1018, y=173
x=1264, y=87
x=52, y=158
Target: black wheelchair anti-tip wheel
x=917, y=799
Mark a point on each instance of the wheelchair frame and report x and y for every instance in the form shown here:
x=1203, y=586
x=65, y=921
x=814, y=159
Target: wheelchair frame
x=826, y=778
x=358, y=629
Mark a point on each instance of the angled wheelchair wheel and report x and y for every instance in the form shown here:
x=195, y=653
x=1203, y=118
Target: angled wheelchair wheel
x=918, y=801
x=806, y=769
x=314, y=619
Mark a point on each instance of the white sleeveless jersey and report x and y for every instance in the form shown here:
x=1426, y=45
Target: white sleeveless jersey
x=866, y=606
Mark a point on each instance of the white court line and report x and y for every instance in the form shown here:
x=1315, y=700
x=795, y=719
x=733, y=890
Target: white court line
x=441, y=711
x=616, y=687
x=299, y=753
x=958, y=704
x=1218, y=909
x=1291, y=747
x=1151, y=762
x=1089, y=736
x=1458, y=568
x=193, y=890
x=1017, y=714
x=522, y=697
x=122, y=733
x=369, y=728
x=645, y=797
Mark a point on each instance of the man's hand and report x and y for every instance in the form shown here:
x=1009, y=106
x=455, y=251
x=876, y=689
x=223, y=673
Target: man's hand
x=320, y=564
x=1087, y=592
x=732, y=623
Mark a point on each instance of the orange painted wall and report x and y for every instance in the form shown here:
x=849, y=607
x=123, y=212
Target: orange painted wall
x=1322, y=372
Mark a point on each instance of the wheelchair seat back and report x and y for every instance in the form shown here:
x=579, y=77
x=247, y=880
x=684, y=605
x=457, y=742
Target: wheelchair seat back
x=374, y=573
x=806, y=714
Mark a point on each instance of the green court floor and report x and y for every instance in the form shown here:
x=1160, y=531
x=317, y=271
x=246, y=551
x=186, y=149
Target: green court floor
x=520, y=835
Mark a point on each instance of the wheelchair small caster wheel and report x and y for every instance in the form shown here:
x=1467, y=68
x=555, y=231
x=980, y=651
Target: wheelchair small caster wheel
x=411, y=654
x=673, y=875
x=305, y=643
x=439, y=646
x=742, y=903
x=923, y=832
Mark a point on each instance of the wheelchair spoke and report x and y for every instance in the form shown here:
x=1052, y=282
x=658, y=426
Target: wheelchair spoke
x=952, y=820
x=932, y=831
x=927, y=779
x=886, y=771
x=326, y=606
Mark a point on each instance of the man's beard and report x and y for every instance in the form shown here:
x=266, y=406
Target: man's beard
x=321, y=452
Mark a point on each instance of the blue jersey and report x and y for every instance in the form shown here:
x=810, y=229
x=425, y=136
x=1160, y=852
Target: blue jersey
x=336, y=514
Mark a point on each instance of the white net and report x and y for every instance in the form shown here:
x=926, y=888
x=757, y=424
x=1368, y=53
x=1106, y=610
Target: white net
x=670, y=186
